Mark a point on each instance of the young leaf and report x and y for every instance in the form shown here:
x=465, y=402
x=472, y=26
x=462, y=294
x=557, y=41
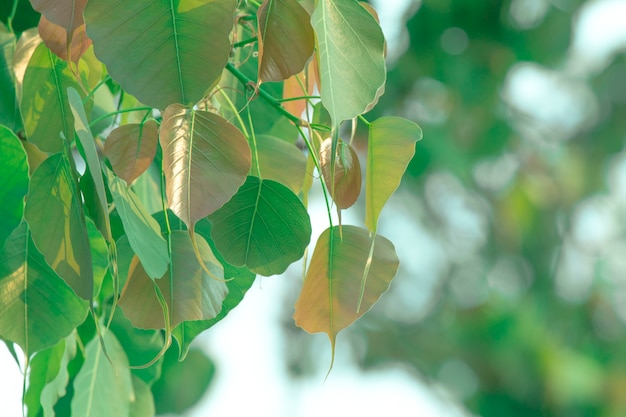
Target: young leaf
x=329, y=299
x=205, y=161
x=66, y=13
x=264, y=226
x=286, y=39
x=57, y=40
x=345, y=186
x=103, y=387
x=131, y=148
x=280, y=161
x=14, y=180
x=189, y=291
x=350, y=47
x=162, y=52
x=54, y=212
x=142, y=230
x=45, y=108
x=390, y=149
x=32, y=296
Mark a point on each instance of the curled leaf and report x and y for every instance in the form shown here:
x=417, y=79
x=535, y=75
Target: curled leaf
x=345, y=186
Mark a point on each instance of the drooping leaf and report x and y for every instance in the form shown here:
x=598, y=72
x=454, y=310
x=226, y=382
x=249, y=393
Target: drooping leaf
x=143, y=405
x=350, y=47
x=56, y=39
x=99, y=255
x=286, y=39
x=190, y=293
x=103, y=387
x=280, y=161
x=345, y=186
x=37, y=307
x=54, y=212
x=45, y=108
x=9, y=105
x=390, y=149
x=14, y=180
x=28, y=41
x=264, y=226
x=66, y=13
x=141, y=229
x=162, y=52
x=131, y=149
x=330, y=296
x=205, y=161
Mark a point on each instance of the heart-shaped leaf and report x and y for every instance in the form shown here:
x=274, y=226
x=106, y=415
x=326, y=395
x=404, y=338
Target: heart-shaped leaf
x=64, y=242
x=162, y=52
x=329, y=300
x=66, y=13
x=205, y=160
x=56, y=39
x=131, y=149
x=14, y=180
x=190, y=293
x=345, y=186
x=286, y=39
x=32, y=296
x=264, y=226
x=350, y=48
x=391, y=147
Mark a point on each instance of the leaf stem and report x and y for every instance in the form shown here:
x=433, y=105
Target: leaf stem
x=116, y=112
x=283, y=100
x=12, y=16
x=244, y=42
x=100, y=84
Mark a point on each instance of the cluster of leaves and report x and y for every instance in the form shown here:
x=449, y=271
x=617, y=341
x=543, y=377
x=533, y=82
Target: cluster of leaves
x=157, y=156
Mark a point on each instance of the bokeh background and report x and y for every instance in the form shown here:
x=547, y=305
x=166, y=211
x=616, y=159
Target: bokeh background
x=511, y=295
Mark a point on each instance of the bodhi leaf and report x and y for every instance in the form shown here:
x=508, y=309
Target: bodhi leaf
x=54, y=212
x=162, y=52
x=350, y=47
x=391, y=147
x=66, y=13
x=56, y=39
x=142, y=230
x=14, y=180
x=103, y=387
x=45, y=108
x=329, y=300
x=32, y=296
x=286, y=39
x=264, y=226
x=131, y=148
x=9, y=105
x=143, y=404
x=205, y=161
x=190, y=293
x=345, y=185
x=280, y=161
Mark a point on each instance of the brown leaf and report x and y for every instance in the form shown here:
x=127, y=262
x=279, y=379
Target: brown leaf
x=56, y=39
x=65, y=13
x=345, y=187
x=131, y=149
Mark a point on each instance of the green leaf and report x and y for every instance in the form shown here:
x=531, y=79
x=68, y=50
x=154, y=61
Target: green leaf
x=264, y=226
x=280, y=161
x=99, y=255
x=329, y=299
x=91, y=154
x=103, y=386
x=205, y=161
x=162, y=52
x=32, y=296
x=345, y=185
x=190, y=293
x=45, y=108
x=350, y=47
x=131, y=148
x=143, y=405
x=391, y=147
x=14, y=180
x=9, y=105
x=286, y=39
x=64, y=241
x=141, y=229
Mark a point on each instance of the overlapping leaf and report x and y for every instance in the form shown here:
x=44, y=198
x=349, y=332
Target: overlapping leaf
x=205, y=161
x=54, y=211
x=131, y=149
x=345, y=185
x=9, y=106
x=286, y=39
x=190, y=293
x=391, y=147
x=66, y=13
x=14, y=180
x=350, y=47
x=162, y=52
x=103, y=387
x=264, y=226
x=37, y=307
x=66, y=47
x=280, y=161
x=329, y=300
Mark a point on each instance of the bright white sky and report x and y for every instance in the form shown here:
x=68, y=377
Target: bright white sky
x=252, y=379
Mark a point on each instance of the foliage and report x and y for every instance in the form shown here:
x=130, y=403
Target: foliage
x=156, y=156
